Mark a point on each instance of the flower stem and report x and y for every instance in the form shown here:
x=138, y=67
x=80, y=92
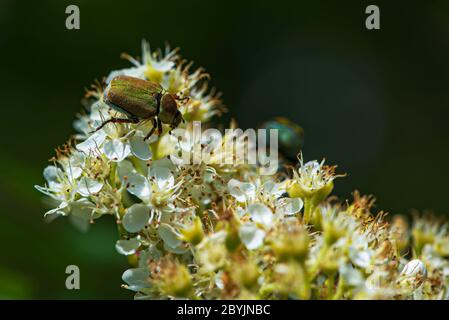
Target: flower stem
x=309, y=208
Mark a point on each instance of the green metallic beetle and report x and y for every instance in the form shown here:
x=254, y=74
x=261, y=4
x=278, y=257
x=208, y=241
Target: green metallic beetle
x=141, y=100
x=291, y=136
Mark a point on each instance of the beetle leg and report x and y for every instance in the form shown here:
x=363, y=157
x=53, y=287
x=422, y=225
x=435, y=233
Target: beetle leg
x=159, y=126
x=181, y=99
x=153, y=122
x=117, y=120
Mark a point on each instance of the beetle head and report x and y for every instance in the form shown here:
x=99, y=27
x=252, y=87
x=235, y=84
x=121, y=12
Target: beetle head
x=177, y=119
x=168, y=111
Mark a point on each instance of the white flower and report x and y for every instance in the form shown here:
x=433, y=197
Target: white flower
x=272, y=194
x=158, y=190
x=152, y=66
x=69, y=178
x=311, y=176
x=242, y=191
x=116, y=142
x=62, y=184
x=269, y=193
x=378, y=286
x=203, y=105
x=313, y=179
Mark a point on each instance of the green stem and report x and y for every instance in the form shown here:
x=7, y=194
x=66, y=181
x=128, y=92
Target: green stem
x=339, y=292
x=330, y=285
x=113, y=174
x=305, y=291
x=308, y=210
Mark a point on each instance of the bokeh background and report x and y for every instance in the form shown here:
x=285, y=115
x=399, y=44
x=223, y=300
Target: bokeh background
x=374, y=102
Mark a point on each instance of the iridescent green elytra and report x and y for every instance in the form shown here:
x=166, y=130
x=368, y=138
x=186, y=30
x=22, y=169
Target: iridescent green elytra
x=291, y=136
x=141, y=100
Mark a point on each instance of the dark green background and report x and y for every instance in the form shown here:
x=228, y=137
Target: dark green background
x=374, y=102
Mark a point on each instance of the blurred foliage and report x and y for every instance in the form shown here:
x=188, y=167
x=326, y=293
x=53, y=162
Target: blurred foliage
x=374, y=102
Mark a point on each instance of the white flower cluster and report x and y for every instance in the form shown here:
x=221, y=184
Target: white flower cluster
x=224, y=231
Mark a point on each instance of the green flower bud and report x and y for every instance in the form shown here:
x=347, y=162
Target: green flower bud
x=330, y=262
x=194, y=233
x=292, y=246
x=399, y=233
x=177, y=281
x=247, y=275
x=332, y=232
x=232, y=240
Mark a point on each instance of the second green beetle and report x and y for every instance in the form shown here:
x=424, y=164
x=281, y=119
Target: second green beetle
x=141, y=100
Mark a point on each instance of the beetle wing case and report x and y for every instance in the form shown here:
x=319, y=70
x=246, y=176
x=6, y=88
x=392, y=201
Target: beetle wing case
x=133, y=96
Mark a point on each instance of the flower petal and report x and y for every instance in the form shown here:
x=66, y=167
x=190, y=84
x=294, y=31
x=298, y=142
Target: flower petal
x=138, y=186
x=93, y=143
x=125, y=169
x=361, y=259
x=260, y=213
x=351, y=275
x=82, y=208
x=127, y=247
x=136, y=278
x=241, y=191
x=136, y=217
x=88, y=186
x=79, y=223
x=169, y=235
x=289, y=206
x=251, y=236
x=62, y=210
x=99, y=112
x=272, y=189
x=52, y=174
x=116, y=150
x=164, y=178
x=140, y=148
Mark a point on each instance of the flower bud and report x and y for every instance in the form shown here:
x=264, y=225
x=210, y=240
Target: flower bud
x=247, y=275
x=292, y=246
x=414, y=268
x=194, y=233
x=312, y=181
x=412, y=276
x=332, y=232
x=399, y=233
x=232, y=240
x=177, y=281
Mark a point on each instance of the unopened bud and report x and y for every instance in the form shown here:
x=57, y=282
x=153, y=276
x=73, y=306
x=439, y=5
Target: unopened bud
x=292, y=246
x=194, y=233
x=177, y=281
x=248, y=274
x=414, y=268
x=412, y=276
